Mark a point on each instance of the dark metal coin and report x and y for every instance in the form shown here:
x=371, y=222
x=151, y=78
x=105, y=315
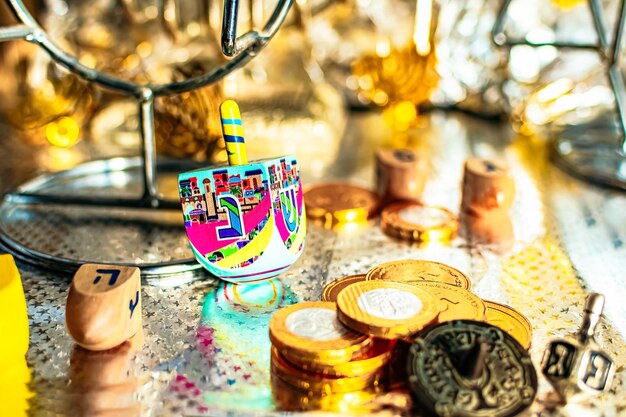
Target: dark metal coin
x=468, y=368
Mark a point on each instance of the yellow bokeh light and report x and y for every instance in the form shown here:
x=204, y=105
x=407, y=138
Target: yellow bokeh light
x=567, y=4
x=63, y=132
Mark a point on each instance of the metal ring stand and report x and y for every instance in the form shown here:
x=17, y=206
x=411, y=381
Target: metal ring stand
x=88, y=187
x=594, y=153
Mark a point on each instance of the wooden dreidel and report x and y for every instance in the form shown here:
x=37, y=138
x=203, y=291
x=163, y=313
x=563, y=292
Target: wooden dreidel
x=575, y=364
x=104, y=306
x=245, y=221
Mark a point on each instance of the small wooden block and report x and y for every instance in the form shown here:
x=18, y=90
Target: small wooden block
x=104, y=305
x=14, y=318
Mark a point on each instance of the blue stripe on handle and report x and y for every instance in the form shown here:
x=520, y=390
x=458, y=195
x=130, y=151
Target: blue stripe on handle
x=231, y=139
x=231, y=122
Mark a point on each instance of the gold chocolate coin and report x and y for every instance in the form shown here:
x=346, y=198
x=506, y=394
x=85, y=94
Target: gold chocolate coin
x=338, y=203
x=511, y=321
x=332, y=289
x=310, y=331
x=410, y=270
x=316, y=382
x=390, y=310
x=419, y=223
x=455, y=303
x=370, y=361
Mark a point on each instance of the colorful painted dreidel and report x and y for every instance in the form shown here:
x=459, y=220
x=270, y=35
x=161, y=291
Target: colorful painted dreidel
x=575, y=364
x=245, y=221
x=103, y=307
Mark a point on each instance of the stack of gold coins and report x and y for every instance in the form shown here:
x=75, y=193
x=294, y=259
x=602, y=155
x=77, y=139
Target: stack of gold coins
x=339, y=353
x=316, y=356
x=380, y=303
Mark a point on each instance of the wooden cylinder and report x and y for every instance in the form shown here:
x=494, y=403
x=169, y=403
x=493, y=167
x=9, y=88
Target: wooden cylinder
x=400, y=175
x=487, y=186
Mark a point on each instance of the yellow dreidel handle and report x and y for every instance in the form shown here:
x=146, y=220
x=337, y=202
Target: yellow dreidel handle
x=14, y=372
x=232, y=129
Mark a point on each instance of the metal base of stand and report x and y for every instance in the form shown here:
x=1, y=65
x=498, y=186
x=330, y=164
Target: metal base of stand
x=59, y=236
x=591, y=153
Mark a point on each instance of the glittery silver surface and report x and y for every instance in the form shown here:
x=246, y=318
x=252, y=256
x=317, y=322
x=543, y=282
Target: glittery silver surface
x=206, y=348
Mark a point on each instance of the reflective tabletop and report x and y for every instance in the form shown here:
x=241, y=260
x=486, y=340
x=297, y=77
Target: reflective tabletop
x=206, y=348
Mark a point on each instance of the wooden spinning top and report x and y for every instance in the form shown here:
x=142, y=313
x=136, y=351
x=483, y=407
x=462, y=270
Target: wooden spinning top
x=104, y=305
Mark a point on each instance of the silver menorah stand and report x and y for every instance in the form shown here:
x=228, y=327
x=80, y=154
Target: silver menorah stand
x=112, y=211
x=593, y=152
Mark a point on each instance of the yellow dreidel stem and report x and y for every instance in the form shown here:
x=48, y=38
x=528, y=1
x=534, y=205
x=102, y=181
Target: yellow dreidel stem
x=232, y=129
x=14, y=372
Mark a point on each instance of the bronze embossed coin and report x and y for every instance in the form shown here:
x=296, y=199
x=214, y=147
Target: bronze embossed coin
x=511, y=321
x=455, y=303
x=409, y=270
x=468, y=368
x=332, y=204
x=419, y=223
